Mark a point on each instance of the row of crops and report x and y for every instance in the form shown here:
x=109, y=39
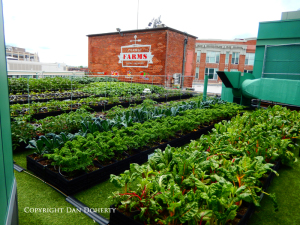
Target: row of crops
x=25, y=129
x=104, y=142
x=29, y=96
x=22, y=85
x=212, y=179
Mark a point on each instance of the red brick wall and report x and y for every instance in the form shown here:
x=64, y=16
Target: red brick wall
x=202, y=66
x=166, y=47
x=241, y=63
x=104, y=51
x=190, y=62
x=174, y=59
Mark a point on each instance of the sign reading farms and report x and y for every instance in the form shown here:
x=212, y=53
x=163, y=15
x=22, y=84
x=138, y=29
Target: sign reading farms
x=135, y=55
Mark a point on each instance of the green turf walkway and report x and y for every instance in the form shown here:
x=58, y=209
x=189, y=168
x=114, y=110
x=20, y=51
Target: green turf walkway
x=32, y=193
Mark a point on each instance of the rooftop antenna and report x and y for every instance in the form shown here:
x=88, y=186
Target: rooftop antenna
x=156, y=23
x=137, y=25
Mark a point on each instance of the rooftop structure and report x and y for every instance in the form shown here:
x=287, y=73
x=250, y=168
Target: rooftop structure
x=16, y=53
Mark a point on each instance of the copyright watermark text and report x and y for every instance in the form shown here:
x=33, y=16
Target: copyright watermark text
x=68, y=210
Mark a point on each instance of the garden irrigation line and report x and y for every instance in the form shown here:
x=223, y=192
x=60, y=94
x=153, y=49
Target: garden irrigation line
x=87, y=211
x=70, y=199
x=18, y=168
x=46, y=183
x=21, y=169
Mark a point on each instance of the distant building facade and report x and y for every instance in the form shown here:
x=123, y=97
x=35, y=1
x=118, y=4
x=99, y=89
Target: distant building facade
x=223, y=55
x=16, y=53
x=18, y=59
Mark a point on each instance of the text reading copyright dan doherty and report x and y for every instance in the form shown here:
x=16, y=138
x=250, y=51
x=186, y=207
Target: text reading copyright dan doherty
x=68, y=210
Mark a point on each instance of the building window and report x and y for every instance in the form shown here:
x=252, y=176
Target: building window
x=212, y=73
x=249, y=59
x=235, y=58
x=227, y=58
x=212, y=57
x=234, y=70
x=198, y=56
x=197, y=73
x=248, y=71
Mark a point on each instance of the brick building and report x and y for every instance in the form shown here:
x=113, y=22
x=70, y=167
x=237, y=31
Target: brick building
x=223, y=55
x=157, y=51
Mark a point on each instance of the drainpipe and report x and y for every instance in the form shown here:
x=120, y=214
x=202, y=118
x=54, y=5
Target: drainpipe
x=183, y=62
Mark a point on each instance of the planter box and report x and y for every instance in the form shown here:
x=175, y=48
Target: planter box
x=36, y=167
x=69, y=187
x=244, y=218
x=118, y=218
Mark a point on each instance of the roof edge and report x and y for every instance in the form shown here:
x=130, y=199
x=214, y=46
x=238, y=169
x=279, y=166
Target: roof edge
x=143, y=30
x=229, y=40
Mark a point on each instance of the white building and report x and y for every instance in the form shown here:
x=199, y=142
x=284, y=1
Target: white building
x=35, y=66
x=20, y=60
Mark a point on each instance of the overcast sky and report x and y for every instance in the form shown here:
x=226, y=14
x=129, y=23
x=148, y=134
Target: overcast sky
x=57, y=29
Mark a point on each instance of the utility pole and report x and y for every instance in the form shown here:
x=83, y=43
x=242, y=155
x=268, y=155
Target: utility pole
x=137, y=25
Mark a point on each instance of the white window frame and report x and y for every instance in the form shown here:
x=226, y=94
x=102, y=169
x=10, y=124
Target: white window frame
x=215, y=75
x=249, y=59
x=212, y=57
x=235, y=58
x=197, y=73
x=248, y=71
x=227, y=58
x=198, y=56
x=234, y=70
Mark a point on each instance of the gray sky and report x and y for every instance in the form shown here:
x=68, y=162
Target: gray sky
x=57, y=29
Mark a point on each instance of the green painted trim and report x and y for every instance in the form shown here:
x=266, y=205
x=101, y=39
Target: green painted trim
x=278, y=21
x=279, y=29
x=6, y=164
x=279, y=41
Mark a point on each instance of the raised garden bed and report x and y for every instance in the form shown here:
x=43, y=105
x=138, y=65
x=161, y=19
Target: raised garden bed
x=86, y=180
x=99, y=107
x=243, y=214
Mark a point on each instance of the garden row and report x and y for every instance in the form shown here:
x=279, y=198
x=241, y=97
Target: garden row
x=55, y=107
x=214, y=179
x=72, y=122
x=121, y=90
x=102, y=89
x=94, y=156
x=23, y=85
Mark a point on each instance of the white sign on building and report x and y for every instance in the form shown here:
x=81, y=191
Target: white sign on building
x=135, y=55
